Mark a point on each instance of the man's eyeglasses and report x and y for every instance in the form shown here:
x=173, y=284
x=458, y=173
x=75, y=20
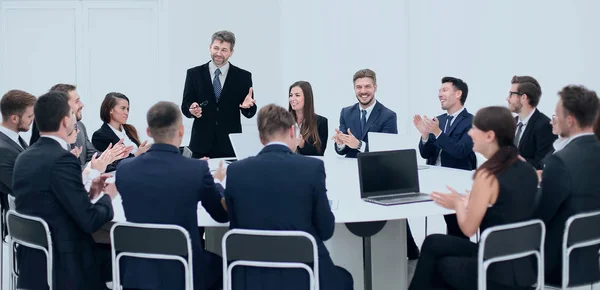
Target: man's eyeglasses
x=510, y=93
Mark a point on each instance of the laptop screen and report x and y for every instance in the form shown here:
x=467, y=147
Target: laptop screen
x=388, y=172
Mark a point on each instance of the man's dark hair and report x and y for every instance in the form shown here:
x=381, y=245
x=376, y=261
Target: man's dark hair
x=273, y=119
x=163, y=120
x=529, y=86
x=581, y=103
x=14, y=102
x=50, y=109
x=459, y=85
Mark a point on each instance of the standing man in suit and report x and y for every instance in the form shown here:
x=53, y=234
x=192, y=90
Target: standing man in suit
x=445, y=140
x=47, y=184
x=570, y=184
x=17, y=115
x=188, y=182
x=287, y=194
x=214, y=95
x=366, y=116
x=534, y=136
x=82, y=142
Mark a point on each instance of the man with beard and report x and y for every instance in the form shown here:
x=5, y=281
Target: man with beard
x=534, y=136
x=84, y=149
x=445, y=140
x=367, y=115
x=358, y=120
x=214, y=95
x=17, y=115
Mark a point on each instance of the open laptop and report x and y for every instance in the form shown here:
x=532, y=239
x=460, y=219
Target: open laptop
x=245, y=144
x=390, y=177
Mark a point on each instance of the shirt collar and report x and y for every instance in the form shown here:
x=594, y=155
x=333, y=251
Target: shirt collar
x=60, y=141
x=560, y=143
x=526, y=120
x=117, y=132
x=212, y=67
x=10, y=134
x=276, y=143
x=457, y=113
x=369, y=109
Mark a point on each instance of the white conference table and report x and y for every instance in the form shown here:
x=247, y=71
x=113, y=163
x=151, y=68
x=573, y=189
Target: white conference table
x=387, y=248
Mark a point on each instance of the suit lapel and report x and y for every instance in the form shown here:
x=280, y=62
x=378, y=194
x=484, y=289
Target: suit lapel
x=455, y=123
x=355, y=119
x=372, y=118
x=528, y=129
x=11, y=142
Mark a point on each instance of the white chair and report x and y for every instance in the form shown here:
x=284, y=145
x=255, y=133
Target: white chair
x=511, y=242
x=270, y=249
x=151, y=241
x=31, y=232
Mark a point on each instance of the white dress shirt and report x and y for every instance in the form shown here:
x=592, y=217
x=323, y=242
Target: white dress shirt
x=224, y=70
x=369, y=109
x=126, y=141
x=11, y=134
x=524, y=122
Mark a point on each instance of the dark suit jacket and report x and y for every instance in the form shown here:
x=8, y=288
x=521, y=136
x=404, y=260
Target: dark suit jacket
x=570, y=185
x=381, y=119
x=87, y=148
x=104, y=137
x=456, y=144
x=210, y=133
x=309, y=148
x=47, y=184
x=536, y=141
x=163, y=187
x=268, y=199
x=9, y=150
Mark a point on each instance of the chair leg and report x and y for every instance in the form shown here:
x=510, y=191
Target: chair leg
x=425, y=226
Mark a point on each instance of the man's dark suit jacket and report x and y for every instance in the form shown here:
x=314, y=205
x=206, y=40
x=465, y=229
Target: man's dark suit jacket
x=536, y=141
x=570, y=185
x=87, y=148
x=47, y=184
x=287, y=193
x=456, y=144
x=381, y=120
x=9, y=150
x=210, y=133
x=309, y=148
x=163, y=187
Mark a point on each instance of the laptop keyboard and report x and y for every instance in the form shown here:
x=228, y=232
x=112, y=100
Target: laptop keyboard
x=398, y=197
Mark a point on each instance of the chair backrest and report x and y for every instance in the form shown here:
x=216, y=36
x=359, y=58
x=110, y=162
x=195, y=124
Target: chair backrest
x=151, y=241
x=581, y=230
x=245, y=144
x=272, y=249
x=32, y=232
x=11, y=202
x=510, y=242
x=386, y=142
x=185, y=151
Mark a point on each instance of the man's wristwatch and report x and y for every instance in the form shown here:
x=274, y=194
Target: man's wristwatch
x=360, y=143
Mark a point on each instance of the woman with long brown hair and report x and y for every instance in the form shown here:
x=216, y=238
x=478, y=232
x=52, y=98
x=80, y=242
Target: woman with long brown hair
x=114, y=112
x=311, y=129
x=503, y=192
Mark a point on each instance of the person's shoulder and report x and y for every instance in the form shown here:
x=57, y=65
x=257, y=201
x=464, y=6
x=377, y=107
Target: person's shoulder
x=321, y=119
x=239, y=70
x=198, y=68
x=385, y=109
x=349, y=108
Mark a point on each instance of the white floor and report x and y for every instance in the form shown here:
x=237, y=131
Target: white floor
x=435, y=224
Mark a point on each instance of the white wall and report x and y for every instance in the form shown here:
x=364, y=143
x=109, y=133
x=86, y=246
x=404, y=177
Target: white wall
x=143, y=48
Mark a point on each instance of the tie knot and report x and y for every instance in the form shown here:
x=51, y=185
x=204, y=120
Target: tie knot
x=520, y=124
x=450, y=117
x=363, y=113
x=217, y=72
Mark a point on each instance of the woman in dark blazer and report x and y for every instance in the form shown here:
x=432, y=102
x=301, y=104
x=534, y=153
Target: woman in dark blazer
x=114, y=111
x=503, y=192
x=311, y=130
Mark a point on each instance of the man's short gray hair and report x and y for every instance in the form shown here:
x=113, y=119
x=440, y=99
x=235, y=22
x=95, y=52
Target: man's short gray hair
x=225, y=36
